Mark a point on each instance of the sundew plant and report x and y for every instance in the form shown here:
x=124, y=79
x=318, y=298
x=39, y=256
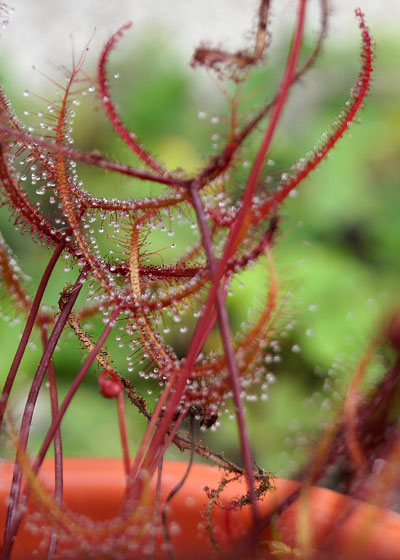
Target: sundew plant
x=230, y=210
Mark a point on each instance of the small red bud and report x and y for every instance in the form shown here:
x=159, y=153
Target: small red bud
x=109, y=386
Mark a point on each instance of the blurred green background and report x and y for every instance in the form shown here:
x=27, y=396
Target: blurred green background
x=337, y=252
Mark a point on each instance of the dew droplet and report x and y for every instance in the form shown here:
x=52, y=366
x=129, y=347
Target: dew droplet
x=270, y=377
x=174, y=528
x=190, y=501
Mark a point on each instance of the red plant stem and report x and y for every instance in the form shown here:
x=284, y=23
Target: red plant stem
x=28, y=413
x=134, y=483
x=28, y=329
x=154, y=521
x=147, y=435
x=202, y=332
x=56, y=423
x=174, y=491
x=276, y=113
x=178, y=378
x=168, y=441
x=225, y=330
x=72, y=390
x=58, y=453
x=122, y=431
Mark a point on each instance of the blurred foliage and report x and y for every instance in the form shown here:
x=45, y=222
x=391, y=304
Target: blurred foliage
x=337, y=253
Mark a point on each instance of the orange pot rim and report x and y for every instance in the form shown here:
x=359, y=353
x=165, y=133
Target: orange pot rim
x=93, y=487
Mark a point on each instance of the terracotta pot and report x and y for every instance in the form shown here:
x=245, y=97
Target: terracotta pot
x=93, y=487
